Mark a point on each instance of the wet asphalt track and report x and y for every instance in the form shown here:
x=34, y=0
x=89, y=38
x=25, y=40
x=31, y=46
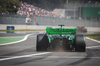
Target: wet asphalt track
x=62, y=58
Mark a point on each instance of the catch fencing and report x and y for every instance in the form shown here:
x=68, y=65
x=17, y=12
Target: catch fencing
x=43, y=20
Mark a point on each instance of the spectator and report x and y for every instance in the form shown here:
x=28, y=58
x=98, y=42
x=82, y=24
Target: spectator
x=27, y=9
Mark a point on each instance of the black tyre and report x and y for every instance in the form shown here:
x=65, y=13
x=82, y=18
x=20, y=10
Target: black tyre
x=42, y=42
x=80, y=45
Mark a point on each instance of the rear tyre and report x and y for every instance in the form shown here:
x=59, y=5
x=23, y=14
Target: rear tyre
x=42, y=42
x=80, y=45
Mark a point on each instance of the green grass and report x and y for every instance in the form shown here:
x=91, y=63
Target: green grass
x=9, y=39
x=94, y=36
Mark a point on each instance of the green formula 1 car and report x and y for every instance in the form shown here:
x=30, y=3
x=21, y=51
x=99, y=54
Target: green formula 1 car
x=59, y=37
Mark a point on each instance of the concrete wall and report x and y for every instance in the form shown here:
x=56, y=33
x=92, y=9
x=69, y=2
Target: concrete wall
x=19, y=23
x=45, y=21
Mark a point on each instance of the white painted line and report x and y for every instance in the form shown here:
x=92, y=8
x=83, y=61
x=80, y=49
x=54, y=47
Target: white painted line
x=25, y=38
x=69, y=57
x=16, y=57
x=93, y=47
x=94, y=41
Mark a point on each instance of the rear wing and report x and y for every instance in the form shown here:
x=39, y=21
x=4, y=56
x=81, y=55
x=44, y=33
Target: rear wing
x=60, y=31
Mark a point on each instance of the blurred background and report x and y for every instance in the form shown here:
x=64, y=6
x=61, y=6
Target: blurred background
x=50, y=12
